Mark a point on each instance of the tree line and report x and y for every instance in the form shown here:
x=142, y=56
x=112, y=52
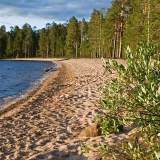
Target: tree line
x=106, y=34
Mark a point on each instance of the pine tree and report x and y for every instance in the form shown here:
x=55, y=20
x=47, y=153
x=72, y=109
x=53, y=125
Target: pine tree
x=72, y=37
x=114, y=28
x=28, y=42
x=53, y=38
x=136, y=25
x=3, y=41
x=85, y=48
x=83, y=30
x=94, y=33
x=61, y=40
x=35, y=42
x=48, y=26
x=42, y=43
x=9, y=48
x=17, y=42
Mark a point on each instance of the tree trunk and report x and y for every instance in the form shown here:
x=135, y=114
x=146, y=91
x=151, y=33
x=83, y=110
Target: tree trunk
x=114, y=48
x=25, y=50
x=76, y=50
x=121, y=31
x=47, y=50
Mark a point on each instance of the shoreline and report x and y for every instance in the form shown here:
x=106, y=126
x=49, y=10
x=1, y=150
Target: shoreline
x=48, y=124
x=30, y=93
x=36, y=59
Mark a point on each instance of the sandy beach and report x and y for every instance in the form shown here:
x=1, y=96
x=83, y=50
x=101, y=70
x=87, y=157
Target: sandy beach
x=46, y=124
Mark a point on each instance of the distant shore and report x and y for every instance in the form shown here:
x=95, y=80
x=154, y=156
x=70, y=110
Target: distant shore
x=46, y=124
x=37, y=59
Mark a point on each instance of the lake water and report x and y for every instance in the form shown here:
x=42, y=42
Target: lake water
x=19, y=77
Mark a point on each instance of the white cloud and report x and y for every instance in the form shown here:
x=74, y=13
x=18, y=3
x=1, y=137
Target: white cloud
x=39, y=12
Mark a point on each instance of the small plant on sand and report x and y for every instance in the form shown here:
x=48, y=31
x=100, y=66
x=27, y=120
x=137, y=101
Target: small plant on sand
x=132, y=95
x=84, y=148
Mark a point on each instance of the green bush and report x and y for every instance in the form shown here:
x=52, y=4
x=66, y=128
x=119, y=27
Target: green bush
x=132, y=95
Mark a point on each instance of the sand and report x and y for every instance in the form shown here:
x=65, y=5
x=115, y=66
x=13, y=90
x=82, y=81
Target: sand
x=46, y=124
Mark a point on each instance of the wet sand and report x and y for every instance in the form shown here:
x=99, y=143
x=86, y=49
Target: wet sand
x=46, y=124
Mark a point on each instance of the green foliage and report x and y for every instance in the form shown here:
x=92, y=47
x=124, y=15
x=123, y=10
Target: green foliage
x=105, y=151
x=42, y=43
x=133, y=151
x=3, y=39
x=132, y=95
x=84, y=148
x=72, y=38
x=106, y=34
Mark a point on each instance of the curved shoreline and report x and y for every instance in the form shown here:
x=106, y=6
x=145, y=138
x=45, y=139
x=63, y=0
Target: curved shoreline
x=9, y=108
x=48, y=124
x=31, y=79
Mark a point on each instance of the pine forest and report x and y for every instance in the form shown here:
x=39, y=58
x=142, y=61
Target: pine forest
x=106, y=34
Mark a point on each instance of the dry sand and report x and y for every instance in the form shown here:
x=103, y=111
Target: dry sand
x=46, y=124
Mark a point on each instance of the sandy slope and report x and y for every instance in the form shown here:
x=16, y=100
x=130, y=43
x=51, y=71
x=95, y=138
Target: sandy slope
x=46, y=124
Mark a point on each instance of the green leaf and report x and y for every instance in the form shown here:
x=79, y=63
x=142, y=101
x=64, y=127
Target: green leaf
x=143, y=90
x=157, y=154
x=130, y=145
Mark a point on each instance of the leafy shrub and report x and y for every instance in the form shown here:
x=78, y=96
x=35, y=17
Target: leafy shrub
x=132, y=95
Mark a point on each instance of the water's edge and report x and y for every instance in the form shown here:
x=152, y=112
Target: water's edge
x=31, y=90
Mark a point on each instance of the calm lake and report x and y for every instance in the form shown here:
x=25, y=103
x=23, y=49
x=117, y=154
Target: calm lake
x=19, y=77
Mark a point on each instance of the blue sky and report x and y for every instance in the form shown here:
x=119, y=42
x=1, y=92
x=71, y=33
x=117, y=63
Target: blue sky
x=39, y=12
